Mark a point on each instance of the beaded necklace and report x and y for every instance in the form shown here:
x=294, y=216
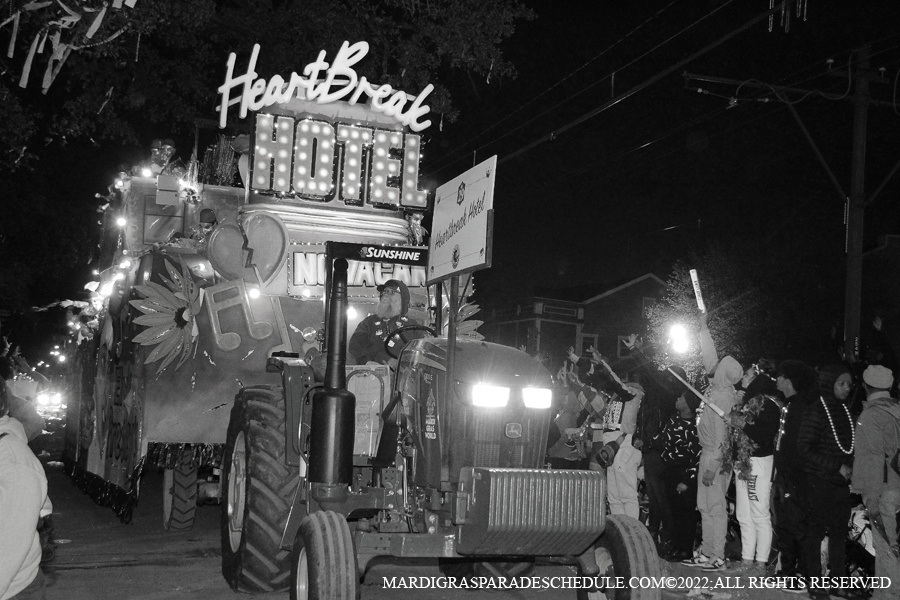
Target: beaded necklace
x=834, y=431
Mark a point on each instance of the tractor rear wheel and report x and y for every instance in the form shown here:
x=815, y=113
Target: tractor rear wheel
x=323, y=563
x=180, y=495
x=625, y=550
x=257, y=487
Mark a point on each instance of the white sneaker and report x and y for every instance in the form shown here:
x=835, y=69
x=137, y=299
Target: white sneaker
x=714, y=565
x=699, y=560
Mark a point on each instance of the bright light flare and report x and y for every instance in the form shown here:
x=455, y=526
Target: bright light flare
x=253, y=293
x=537, y=397
x=490, y=395
x=678, y=337
x=121, y=221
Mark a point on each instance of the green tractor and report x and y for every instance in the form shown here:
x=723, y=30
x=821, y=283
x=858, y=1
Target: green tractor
x=455, y=472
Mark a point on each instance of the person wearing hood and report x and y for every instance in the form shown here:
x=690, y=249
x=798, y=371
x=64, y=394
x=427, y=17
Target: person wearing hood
x=874, y=475
x=23, y=494
x=797, y=383
x=712, y=429
x=753, y=427
x=826, y=442
x=367, y=343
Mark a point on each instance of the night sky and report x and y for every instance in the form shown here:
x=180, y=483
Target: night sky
x=663, y=171
x=669, y=169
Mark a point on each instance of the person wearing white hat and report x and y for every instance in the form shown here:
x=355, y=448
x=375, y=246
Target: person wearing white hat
x=877, y=440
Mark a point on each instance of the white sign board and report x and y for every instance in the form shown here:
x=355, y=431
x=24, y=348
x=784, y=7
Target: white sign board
x=462, y=224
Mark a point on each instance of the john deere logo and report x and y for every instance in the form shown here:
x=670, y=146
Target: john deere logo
x=513, y=430
x=454, y=259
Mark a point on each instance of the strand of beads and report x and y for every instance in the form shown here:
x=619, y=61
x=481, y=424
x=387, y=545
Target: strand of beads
x=834, y=431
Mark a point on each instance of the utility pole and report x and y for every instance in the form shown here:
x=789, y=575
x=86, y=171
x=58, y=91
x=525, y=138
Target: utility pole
x=856, y=206
x=855, y=202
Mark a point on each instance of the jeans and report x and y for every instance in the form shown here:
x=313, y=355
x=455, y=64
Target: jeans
x=713, y=508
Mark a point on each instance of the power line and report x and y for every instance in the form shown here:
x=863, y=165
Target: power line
x=642, y=86
x=441, y=166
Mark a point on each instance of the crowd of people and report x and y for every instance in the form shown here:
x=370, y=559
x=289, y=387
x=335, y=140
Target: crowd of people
x=799, y=452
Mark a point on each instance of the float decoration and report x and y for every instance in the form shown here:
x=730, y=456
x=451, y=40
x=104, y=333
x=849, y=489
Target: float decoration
x=169, y=315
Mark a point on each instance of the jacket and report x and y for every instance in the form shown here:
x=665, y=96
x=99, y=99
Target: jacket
x=787, y=456
x=23, y=492
x=819, y=452
x=876, y=443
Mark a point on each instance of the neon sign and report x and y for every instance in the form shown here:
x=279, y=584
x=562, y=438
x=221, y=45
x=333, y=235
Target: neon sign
x=321, y=77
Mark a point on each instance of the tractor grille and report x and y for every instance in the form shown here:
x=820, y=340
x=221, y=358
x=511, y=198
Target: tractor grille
x=491, y=447
x=530, y=511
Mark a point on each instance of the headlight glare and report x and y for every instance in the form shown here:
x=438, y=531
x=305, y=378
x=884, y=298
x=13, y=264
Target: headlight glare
x=489, y=395
x=43, y=398
x=537, y=397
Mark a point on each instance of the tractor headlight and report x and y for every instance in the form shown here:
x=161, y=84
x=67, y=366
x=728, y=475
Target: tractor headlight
x=489, y=395
x=537, y=397
x=43, y=398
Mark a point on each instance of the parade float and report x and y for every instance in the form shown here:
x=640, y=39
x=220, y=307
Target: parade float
x=183, y=315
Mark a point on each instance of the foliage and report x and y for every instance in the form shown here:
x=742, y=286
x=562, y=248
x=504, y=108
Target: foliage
x=739, y=310
x=152, y=71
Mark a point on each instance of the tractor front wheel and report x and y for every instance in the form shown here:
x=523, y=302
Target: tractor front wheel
x=624, y=550
x=323, y=564
x=257, y=486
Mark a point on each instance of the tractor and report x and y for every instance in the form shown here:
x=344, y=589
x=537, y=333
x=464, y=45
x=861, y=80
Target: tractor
x=456, y=472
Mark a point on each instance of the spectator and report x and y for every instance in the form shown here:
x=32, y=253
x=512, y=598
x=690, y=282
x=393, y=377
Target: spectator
x=874, y=478
x=23, y=493
x=796, y=381
x=825, y=443
x=562, y=452
x=680, y=457
x=753, y=427
x=18, y=408
x=711, y=430
x=619, y=425
x=656, y=409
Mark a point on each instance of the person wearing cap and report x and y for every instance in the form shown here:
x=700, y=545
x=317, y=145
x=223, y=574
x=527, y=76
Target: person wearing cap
x=367, y=343
x=797, y=383
x=207, y=222
x=873, y=476
x=714, y=476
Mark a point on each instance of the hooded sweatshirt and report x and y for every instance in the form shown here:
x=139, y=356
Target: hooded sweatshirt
x=711, y=428
x=23, y=492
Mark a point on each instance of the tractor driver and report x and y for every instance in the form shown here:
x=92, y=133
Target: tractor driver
x=367, y=343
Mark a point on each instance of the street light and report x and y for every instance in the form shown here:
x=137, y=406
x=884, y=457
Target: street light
x=678, y=337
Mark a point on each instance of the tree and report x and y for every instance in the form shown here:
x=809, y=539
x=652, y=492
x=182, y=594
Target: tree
x=151, y=68
x=741, y=315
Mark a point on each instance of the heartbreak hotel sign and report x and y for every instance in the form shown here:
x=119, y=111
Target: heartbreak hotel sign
x=462, y=225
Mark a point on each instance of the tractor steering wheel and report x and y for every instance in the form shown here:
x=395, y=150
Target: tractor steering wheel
x=390, y=345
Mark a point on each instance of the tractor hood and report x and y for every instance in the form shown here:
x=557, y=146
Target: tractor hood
x=484, y=362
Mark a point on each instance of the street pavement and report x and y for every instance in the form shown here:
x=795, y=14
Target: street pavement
x=99, y=558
